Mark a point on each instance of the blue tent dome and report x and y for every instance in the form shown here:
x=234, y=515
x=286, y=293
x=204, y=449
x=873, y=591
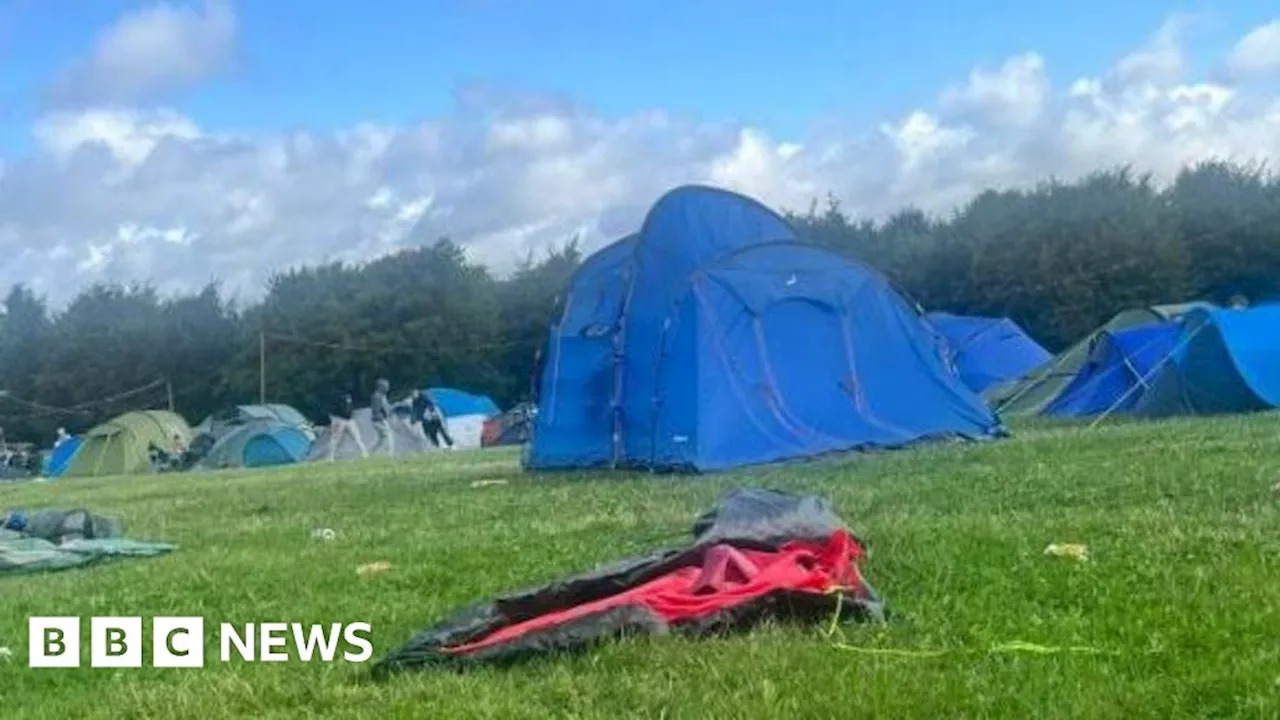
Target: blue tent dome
x=1120, y=367
x=986, y=351
x=714, y=338
x=456, y=403
x=1225, y=361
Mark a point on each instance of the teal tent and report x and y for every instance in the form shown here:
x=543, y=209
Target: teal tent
x=258, y=443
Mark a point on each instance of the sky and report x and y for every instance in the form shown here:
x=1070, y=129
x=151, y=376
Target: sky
x=190, y=141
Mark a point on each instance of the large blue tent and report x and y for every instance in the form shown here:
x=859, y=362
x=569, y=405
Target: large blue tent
x=986, y=351
x=715, y=338
x=1120, y=368
x=1226, y=361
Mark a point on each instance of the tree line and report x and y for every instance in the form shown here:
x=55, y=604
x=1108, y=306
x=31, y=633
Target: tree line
x=1058, y=258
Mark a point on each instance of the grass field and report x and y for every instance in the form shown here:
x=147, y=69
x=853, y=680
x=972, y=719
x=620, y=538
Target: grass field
x=1181, y=591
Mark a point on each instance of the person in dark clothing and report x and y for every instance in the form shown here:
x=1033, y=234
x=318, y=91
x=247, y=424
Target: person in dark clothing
x=427, y=421
x=342, y=423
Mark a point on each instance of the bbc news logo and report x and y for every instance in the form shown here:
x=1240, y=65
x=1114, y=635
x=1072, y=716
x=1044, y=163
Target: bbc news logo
x=179, y=642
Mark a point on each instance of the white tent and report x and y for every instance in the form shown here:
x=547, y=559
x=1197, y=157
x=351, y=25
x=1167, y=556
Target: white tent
x=404, y=441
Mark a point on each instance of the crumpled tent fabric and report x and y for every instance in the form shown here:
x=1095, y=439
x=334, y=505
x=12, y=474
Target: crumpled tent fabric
x=985, y=350
x=1226, y=361
x=51, y=540
x=1121, y=368
x=716, y=338
x=756, y=554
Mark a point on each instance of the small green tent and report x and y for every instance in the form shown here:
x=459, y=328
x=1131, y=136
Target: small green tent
x=120, y=446
x=1032, y=393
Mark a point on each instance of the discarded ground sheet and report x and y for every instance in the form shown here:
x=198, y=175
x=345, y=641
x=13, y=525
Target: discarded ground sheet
x=50, y=540
x=757, y=554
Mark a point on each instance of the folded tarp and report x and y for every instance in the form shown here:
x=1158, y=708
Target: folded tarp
x=758, y=554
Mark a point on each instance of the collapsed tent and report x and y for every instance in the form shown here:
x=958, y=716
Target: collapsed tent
x=258, y=443
x=1118, y=371
x=121, y=446
x=512, y=427
x=756, y=555
x=57, y=460
x=1226, y=361
x=50, y=540
x=1032, y=393
x=404, y=441
x=715, y=338
x=986, y=351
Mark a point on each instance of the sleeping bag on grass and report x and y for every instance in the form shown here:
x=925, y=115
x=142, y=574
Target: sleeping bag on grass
x=757, y=554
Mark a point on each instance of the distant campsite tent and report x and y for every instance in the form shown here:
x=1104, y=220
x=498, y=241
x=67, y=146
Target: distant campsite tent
x=58, y=459
x=986, y=351
x=1031, y=394
x=715, y=338
x=1227, y=361
x=404, y=442
x=120, y=446
x=1119, y=370
x=258, y=443
x=220, y=422
x=465, y=414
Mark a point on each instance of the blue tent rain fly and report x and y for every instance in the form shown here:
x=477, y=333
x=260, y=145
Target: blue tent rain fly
x=1227, y=361
x=455, y=403
x=60, y=456
x=986, y=351
x=715, y=338
x=1120, y=368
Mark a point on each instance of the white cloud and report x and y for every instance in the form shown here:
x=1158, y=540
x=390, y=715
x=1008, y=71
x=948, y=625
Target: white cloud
x=1257, y=53
x=163, y=48
x=132, y=194
x=1161, y=58
x=1013, y=94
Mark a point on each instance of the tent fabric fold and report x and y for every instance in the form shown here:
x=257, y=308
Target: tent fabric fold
x=756, y=554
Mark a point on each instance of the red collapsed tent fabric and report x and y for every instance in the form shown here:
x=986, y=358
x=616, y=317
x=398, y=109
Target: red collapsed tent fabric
x=757, y=554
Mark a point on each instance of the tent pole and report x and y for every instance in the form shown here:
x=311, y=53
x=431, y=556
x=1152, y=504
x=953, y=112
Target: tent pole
x=262, y=367
x=1143, y=380
x=168, y=388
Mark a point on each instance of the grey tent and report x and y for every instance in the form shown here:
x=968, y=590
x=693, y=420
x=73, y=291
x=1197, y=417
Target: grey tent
x=219, y=423
x=405, y=441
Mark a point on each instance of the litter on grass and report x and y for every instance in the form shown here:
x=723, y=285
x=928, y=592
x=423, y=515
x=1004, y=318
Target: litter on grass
x=1074, y=551
x=373, y=568
x=756, y=555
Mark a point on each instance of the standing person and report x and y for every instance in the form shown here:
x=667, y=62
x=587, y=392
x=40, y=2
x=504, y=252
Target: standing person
x=426, y=420
x=380, y=409
x=342, y=422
